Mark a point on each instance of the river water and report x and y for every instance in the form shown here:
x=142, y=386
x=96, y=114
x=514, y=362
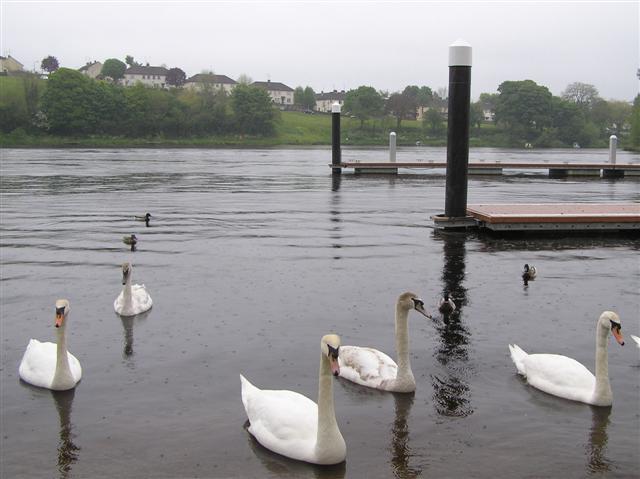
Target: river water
x=253, y=255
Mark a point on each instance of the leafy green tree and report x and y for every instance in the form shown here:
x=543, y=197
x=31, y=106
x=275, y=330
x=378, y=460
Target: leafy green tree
x=176, y=77
x=635, y=123
x=488, y=101
x=434, y=121
x=476, y=114
x=524, y=108
x=68, y=103
x=113, y=68
x=304, y=98
x=364, y=103
x=252, y=110
x=401, y=106
x=131, y=62
x=422, y=95
x=298, y=96
x=207, y=110
x=49, y=64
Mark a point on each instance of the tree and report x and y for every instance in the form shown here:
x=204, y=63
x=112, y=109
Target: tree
x=113, y=68
x=402, y=105
x=131, y=62
x=50, y=64
x=524, y=107
x=635, y=123
x=364, y=103
x=253, y=111
x=68, y=102
x=305, y=98
x=476, y=114
x=434, y=120
x=176, y=77
x=244, y=79
x=582, y=94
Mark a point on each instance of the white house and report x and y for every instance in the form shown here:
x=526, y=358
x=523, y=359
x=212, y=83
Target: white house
x=217, y=82
x=280, y=93
x=150, y=76
x=9, y=64
x=91, y=69
x=325, y=100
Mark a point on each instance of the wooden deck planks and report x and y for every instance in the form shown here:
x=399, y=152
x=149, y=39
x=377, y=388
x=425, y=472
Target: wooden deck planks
x=556, y=213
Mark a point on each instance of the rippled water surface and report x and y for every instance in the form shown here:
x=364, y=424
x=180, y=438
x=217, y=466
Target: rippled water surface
x=253, y=255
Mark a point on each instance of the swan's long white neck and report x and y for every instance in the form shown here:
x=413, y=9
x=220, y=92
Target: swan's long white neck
x=328, y=432
x=63, y=372
x=402, y=343
x=126, y=291
x=603, y=387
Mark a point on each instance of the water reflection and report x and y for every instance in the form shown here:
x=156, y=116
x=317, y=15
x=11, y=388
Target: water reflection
x=451, y=391
x=127, y=324
x=335, y=232
x=67, y=450
x=598, y=438
x=400, y=449
x=281, y=466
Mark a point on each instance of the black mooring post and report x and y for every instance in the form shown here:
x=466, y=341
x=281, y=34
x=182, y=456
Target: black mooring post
x=458, y=129
x=336, y=155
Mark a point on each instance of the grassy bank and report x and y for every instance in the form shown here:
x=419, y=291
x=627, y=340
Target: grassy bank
x=293, y=128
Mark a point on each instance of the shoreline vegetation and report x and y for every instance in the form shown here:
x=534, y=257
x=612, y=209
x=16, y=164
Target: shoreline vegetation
x=292, y=129
x=71, y=110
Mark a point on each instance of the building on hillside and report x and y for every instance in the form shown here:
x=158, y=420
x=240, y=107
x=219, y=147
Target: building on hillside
x=217, y=82
x=149, y=76
x=281, y=94
x=325, y=100
x=488, y=115
x=91, y=69
x=421, y=111
x=9, y=64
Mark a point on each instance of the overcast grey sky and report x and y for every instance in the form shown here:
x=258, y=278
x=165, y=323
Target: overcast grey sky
x=342, y=44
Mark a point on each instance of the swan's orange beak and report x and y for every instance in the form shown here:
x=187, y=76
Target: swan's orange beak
x=335, y=367
x=618, y=335
x=59, y=319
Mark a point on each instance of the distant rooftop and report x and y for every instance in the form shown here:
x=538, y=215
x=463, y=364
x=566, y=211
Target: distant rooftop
x=271, y=86
x=211, y=78
x=146, y=70
x=332, y=95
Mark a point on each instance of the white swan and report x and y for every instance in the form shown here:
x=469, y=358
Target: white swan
x=372, y=368
x=566, y=377
x=290, y=424
x=636, y=339
x=49, y=365
x=133, y=299
x=446, y=304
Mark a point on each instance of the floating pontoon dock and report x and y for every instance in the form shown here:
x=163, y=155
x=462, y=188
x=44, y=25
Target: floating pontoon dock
x=553, y=216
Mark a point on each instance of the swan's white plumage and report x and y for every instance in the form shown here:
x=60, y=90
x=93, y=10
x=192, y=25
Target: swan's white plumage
x=567, y=378
x=283, y=421
x=291, y=424
x=367, y=367
x=636, y=339
x=372, y=368
x=134, y=298
x=38, y=366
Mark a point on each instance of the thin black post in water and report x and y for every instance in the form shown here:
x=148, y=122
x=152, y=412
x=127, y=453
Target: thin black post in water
x=458, y=129
x=336, y=154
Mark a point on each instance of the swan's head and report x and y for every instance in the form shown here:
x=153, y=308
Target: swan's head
x=126, y=272
x=446, y=296
x=409, y=301
x=526, y=268
x=147, y=216
x=330, y=347
x=609, y=319
x=62, y=309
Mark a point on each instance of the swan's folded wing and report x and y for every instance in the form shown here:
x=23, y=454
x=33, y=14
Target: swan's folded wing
x=38, y=364
x=559, y=375
x=366, y=366
x=142, y=297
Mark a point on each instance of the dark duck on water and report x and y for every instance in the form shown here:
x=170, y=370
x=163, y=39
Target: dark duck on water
x=529, y=273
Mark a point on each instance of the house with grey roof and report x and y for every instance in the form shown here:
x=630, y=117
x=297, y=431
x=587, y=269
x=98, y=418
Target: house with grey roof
x=204, y=80
x=10, y=65
x=147, y=75
x=325, y=100
x=91, y=69
x=280, y=93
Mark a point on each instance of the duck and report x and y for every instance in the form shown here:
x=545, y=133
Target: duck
x=130, y=240
x=636, y=339
x=567, y=378
x=146, y=218
x=446, y=304
x=529, y=273
x=50, y=365
x=372, y=368
x=290, y=424
x=133, y=299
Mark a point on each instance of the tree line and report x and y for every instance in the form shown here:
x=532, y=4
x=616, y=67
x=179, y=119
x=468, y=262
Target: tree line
x=71, y=104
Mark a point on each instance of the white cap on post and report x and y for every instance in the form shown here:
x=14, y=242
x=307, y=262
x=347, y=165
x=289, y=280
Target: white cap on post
x=335, y=108
x=460, y=54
